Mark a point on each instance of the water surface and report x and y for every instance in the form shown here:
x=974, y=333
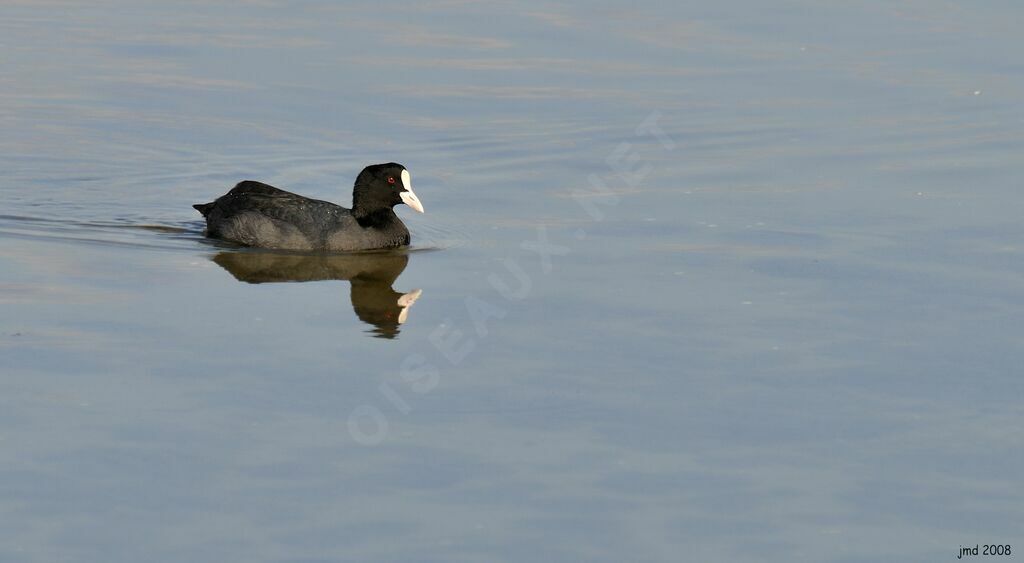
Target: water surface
x=724, y=283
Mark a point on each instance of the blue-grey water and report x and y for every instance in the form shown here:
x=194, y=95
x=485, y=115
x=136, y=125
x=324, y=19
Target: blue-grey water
x=733, y=281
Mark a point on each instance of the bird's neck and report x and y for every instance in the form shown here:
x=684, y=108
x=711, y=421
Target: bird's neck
x=378, y=218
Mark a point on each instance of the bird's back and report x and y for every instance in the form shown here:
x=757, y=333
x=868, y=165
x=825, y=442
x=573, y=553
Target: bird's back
x=257, y=214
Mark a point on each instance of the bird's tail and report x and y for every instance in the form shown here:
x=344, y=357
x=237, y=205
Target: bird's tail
x=204, y=208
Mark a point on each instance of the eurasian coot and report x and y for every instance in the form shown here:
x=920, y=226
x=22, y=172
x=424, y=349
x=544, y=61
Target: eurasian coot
x=255, y=214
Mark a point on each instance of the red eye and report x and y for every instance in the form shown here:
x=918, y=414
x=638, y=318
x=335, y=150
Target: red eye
x=391, y=179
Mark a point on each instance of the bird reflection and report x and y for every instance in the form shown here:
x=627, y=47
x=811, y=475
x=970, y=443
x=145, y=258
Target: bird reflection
x=371, y=276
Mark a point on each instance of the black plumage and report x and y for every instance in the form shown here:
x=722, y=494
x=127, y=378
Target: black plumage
x=260, y=215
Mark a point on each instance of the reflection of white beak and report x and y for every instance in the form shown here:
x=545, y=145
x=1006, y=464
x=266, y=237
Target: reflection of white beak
x=405, y=302
x=408, y=197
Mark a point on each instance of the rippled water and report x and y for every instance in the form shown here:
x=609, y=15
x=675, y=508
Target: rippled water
x=736, y=282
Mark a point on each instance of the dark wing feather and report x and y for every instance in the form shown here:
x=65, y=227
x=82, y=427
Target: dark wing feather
x=311, y=216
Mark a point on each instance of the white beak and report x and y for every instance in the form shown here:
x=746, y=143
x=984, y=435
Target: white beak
x=406, y=301
x=408, y=197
